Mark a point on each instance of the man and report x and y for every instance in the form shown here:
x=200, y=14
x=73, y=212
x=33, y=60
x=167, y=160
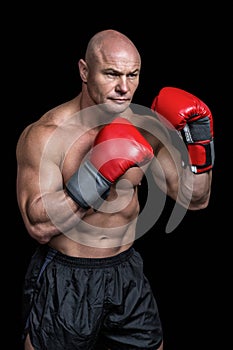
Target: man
x=79, y=168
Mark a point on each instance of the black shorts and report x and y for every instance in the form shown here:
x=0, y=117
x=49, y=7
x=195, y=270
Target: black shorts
x=77, y=303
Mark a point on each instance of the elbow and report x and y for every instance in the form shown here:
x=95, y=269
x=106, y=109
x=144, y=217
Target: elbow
x=37, y=224
x=201, y=191
x=199, y=201
x=198, y=206
x=38, y=233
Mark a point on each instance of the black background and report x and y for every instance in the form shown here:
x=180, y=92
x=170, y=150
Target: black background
x=183, y=47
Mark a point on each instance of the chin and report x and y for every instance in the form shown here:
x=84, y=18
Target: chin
x=115, y=108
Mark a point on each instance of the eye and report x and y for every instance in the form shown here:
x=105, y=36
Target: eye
x=133, y=75
x=112, y=74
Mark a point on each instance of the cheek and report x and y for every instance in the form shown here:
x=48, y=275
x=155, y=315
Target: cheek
x=98, y=90
x=134, y=84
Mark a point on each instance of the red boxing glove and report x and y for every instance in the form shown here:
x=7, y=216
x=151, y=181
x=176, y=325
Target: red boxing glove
x=193, y=119
x=117, y=147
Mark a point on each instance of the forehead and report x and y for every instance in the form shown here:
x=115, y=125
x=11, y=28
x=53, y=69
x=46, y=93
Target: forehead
x=120, y=64
x=119, y=58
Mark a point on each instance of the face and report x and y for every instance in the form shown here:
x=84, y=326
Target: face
x=112, y=79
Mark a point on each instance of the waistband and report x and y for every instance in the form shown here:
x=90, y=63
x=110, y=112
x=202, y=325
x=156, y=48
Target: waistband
x=89, y=262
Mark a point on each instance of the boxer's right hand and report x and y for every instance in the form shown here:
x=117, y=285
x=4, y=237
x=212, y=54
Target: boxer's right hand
x=117, y=147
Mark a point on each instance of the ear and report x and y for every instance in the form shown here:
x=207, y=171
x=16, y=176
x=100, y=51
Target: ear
x=83, y=70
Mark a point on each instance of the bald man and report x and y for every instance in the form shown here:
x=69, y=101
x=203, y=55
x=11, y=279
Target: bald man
x=79, y=168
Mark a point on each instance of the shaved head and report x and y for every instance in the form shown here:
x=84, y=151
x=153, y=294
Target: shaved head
x=111, y=42
x=110, y=71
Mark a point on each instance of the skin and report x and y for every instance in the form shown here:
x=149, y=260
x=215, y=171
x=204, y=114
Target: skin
x=50, y=150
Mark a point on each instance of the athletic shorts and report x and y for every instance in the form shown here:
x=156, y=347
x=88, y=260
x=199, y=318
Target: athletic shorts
x=84, y=303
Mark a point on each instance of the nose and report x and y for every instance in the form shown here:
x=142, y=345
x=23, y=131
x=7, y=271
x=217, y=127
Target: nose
x=122, y=85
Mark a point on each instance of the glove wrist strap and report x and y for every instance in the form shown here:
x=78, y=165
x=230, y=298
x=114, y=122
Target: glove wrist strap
x=200, y=145
x=87, y=186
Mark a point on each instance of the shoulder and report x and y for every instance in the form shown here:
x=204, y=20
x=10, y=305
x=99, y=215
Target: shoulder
x=51, y=136
x=36, y=132
x=59, y=118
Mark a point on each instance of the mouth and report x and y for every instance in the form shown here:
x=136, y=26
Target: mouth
x=120, y=100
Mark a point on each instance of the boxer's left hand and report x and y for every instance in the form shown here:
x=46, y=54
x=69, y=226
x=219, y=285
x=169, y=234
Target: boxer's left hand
x=193, y=119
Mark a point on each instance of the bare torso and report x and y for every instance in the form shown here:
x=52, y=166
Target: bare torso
x=110, y=229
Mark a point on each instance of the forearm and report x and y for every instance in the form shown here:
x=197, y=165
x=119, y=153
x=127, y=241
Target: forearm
x=193, y=120
x=51, y=215
x=201, y=191
x=190, y=190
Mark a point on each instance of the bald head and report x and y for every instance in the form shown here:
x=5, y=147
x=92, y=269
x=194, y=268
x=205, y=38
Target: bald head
x=110, y=71
x=109, y=43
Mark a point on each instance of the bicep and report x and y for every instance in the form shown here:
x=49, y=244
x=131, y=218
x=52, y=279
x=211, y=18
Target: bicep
x=34, y=179
x=37, y=170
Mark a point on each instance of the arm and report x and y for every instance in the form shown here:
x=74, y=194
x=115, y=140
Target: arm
x=46, y=209
x=49, y=204
x=187, y=176
x=189, y=190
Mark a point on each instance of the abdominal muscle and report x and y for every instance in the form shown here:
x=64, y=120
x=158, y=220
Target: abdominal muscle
x=107, y=231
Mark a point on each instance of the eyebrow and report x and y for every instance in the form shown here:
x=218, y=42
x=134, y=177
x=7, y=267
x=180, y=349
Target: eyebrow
x=119, y=72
